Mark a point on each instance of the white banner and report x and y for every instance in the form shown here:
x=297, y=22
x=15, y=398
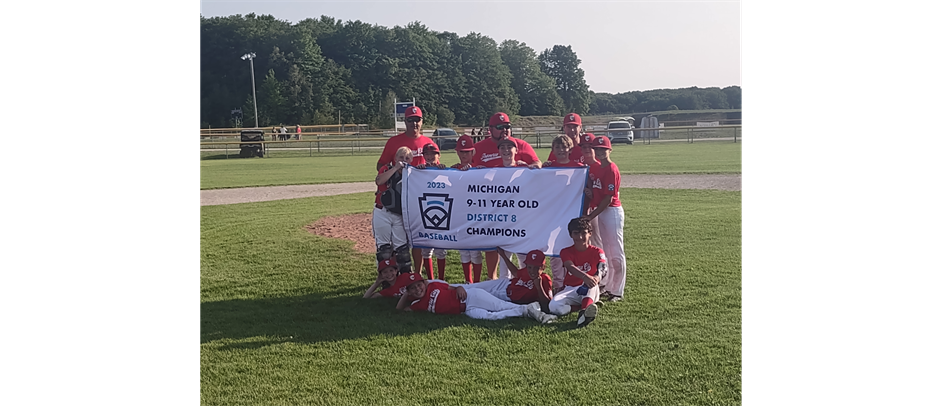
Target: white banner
x=517, y=209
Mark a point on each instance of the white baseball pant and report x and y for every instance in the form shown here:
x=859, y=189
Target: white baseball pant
x=388, y=228
x=474, y=257
x=503, y=271
x=564, y=300
x=439, y=253
x=612, y=231
x=496, y=287
x=484, y=306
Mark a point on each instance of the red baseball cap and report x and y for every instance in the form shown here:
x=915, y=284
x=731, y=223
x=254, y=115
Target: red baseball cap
x=498, y=119
x=586, y=139
x=429, y=147
x=413, y=111
x=465, y=143
x=572, y=118
x=404, y=280
x=535, y=257
x=387, y=263
x=602, y=142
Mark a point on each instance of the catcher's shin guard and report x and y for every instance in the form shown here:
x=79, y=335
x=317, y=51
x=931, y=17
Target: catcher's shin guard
x=404, y=258
x=384, y=252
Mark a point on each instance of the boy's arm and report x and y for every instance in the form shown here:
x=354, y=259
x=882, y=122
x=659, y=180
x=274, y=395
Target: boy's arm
x=371, y=292
x=403, y=303
x=606, y=200
x=382, y=178
x=510, y=264
x=588, y=280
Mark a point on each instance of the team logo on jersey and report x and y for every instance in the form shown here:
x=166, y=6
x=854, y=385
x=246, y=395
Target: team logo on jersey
x=436, y=211
x=586, y=267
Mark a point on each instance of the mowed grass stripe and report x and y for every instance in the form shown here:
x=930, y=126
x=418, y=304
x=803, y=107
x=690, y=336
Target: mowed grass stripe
x=290, y=168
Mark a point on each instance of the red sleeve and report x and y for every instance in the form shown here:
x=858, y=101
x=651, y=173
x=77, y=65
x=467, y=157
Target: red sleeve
x=526, y=153
x=609, y=183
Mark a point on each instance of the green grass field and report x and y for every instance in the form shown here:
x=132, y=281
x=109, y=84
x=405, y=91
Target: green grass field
x=283, y=321
x=295, y=167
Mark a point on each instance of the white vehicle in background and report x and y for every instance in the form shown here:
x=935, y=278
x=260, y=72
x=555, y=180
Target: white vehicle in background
x=620, y=130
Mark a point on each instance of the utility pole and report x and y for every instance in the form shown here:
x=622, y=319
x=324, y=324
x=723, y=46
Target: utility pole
x=251, y=57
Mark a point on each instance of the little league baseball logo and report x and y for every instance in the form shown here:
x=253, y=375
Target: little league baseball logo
x=436, y=211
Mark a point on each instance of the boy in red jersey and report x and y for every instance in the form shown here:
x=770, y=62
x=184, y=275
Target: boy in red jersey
x=385, y=279
x=439, y=297
x=563, y=151
x=572, y=128
x=585, y=266
x=606, y=207
x=531, y=287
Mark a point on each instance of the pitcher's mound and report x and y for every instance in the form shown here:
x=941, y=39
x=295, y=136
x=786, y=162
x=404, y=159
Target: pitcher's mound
x=354, y=227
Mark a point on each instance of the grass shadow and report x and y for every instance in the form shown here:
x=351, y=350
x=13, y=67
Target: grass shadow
x=313, y=318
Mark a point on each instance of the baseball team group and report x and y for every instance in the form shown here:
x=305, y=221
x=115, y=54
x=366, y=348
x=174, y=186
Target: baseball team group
x=584, y=276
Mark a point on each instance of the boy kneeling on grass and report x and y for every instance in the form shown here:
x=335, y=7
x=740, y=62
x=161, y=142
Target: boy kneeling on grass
x=585, y=266
x=439, y=297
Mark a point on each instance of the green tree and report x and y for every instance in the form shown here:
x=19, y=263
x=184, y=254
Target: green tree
x=562, y=64
x=733, y=96
x=536, y=90
x=487, y=78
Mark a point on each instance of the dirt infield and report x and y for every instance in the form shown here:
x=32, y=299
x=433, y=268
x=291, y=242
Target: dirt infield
x=263, y=194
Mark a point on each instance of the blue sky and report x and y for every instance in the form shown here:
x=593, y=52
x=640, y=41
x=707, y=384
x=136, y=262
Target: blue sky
x=624, y=46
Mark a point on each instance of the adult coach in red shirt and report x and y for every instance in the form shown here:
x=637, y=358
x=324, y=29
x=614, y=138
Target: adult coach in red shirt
x=485, y=151
x=572, y=126
x=412, y=138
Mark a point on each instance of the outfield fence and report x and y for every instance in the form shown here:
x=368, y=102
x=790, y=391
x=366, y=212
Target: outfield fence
x=228, y=141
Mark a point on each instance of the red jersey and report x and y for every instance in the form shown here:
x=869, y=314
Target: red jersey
x=522, y=290
x=605, y=181
x=390, y=292
x=438, y=299
x=403, y=140
x=587, y=261
x=487, y=155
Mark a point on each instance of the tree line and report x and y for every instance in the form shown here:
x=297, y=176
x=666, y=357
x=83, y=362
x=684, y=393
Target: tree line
x=309, y=72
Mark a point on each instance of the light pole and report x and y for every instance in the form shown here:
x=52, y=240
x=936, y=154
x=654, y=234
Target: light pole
x=251, y=57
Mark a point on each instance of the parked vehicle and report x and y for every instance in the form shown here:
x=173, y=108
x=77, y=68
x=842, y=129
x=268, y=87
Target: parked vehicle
x=625, y=125
x=449, y=142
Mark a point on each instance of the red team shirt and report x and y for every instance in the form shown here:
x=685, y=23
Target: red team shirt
x=587, y=261
x=403, y=140
x=438, y=299
x=487, y=155
x=522, y=290
x=390, y=292
x=605, y=182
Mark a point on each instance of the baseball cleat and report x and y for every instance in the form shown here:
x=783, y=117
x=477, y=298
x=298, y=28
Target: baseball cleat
x=533, y=312
x=547, y=318
x=587, y=315
x=615, y=299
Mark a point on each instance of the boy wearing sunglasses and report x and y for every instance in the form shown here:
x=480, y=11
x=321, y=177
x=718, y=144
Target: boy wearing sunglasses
x=486, y=154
